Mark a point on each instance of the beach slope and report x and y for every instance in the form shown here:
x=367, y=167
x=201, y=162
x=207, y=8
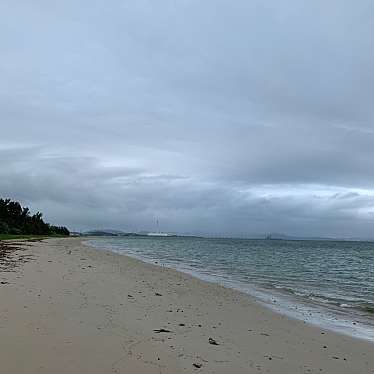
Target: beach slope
x=69, y=308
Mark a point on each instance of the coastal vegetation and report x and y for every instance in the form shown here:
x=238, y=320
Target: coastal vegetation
x=16, y=220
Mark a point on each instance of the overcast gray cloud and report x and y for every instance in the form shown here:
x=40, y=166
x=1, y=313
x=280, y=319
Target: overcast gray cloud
x=217, y=117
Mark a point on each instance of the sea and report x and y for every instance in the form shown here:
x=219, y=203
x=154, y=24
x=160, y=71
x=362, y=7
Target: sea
x=326, y=283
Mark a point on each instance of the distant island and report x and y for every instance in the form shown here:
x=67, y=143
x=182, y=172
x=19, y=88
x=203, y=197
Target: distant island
x=268, y=236
x=18, y=220
x=121, y=233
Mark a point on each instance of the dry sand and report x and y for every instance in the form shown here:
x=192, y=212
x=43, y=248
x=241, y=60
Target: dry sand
x=74, y=309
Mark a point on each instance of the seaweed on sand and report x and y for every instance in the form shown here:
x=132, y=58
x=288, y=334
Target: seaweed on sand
x=12, y=256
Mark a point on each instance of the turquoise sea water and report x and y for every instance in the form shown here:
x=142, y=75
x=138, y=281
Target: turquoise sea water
x=324, y=282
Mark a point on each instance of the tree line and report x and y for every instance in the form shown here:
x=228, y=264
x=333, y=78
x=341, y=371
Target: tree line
x=18, y=220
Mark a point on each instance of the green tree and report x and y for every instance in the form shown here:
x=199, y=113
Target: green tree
x=14, y=219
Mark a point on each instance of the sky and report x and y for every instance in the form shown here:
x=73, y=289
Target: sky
x=229, y=118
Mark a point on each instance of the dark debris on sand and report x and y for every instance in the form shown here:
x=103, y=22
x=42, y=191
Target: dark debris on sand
x=158, y=331
x=212, y=341
x=12, y=256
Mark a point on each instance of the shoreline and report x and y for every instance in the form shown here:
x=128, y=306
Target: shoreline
x=292, y=306
x=74, y=308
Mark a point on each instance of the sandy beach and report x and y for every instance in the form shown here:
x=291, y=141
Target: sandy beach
x=69, y=308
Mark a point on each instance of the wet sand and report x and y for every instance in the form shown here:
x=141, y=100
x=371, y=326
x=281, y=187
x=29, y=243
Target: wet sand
x=68, y=308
